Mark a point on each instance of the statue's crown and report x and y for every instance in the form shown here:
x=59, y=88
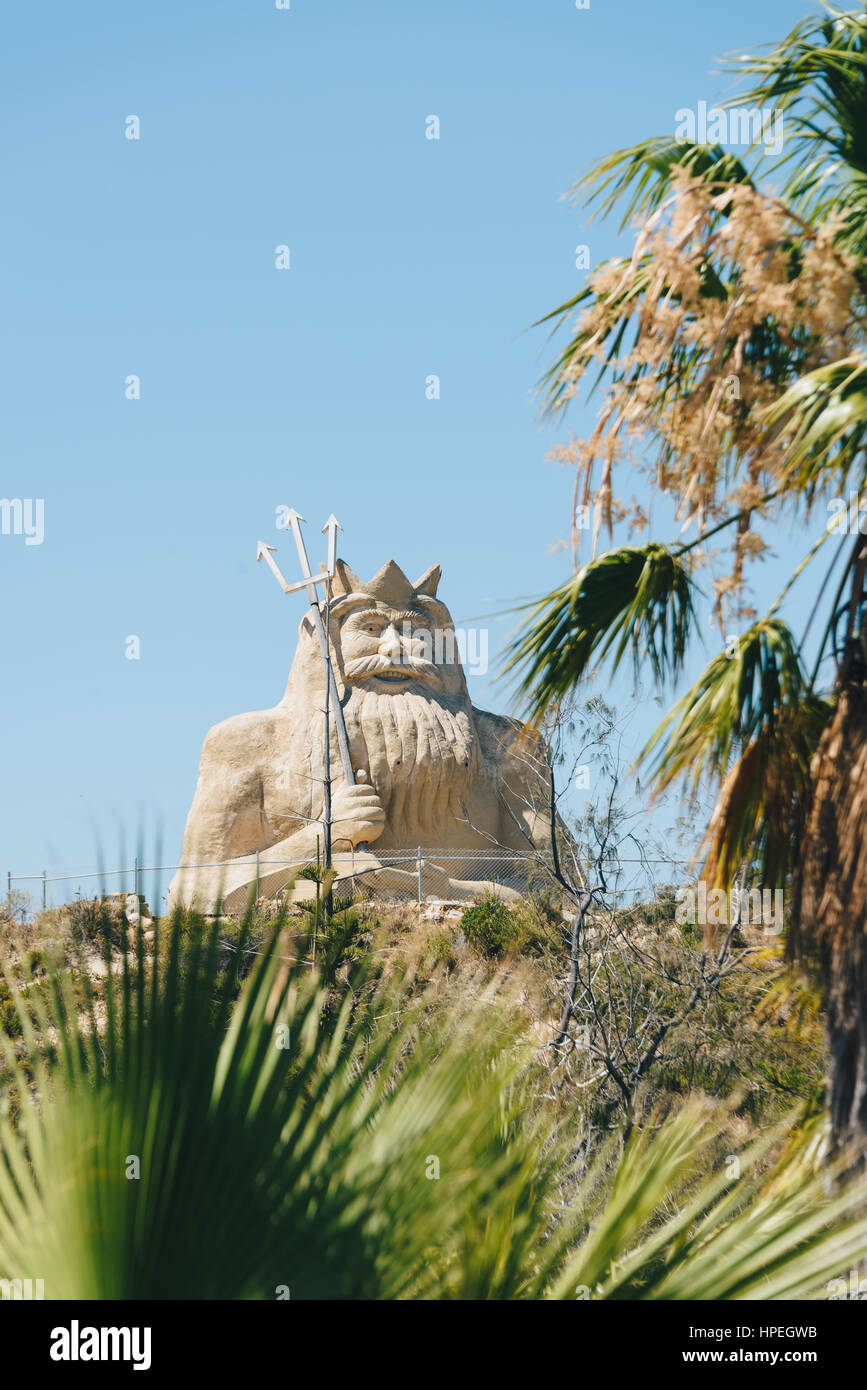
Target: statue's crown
x=389, y=584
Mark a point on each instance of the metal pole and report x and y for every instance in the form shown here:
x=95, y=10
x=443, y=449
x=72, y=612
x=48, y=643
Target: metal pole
x=135, y=877
x=339, y=723
x=419, y=873
x=44, y=889
x=332, y=701
x=328, y=683
x=318, y=891
x=316, y=616
x=257, y=875
x=9, y=886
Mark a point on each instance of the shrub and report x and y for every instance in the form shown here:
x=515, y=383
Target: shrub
x=98, y=923
x=10, y=1023
x=441, y=950
x=345, y=941
x=35, y=962
x=491, y=927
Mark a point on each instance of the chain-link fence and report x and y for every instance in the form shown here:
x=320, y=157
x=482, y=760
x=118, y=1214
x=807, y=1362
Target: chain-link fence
x=425, y=875
x=412, y=875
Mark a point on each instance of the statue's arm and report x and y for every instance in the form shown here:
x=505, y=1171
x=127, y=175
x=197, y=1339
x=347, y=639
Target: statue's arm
x=225, y=819
x=518, y=756
x=228, y=822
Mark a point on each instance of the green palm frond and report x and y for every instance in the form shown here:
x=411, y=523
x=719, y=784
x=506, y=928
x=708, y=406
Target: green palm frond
x=817, y=76
x=825, y=415
x=725, y=1236
x=642, y=174
x=639, y=598
x=747, y=691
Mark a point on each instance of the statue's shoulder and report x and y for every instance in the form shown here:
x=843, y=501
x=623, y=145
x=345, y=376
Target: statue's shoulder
x=506, y=738
x=240, y=736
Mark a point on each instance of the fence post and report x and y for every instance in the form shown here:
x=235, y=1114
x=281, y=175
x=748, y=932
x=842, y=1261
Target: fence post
x=257, y=875
x=419, y=874
x=9, y=887
x=44, y=889
x=135, y=877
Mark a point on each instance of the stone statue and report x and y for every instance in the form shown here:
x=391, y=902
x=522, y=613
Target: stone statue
x=431, y=770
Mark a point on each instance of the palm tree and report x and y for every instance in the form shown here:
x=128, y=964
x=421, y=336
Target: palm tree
x=293, y=1141
x=732, y=353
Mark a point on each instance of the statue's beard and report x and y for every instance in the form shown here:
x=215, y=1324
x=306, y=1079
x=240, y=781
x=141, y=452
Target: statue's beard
x=422, y=752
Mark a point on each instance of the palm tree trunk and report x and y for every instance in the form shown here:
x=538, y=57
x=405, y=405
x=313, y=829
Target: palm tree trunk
x=830, y=905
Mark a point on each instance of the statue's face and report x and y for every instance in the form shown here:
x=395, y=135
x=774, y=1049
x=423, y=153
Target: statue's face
x=408, y=713
x=386, y=648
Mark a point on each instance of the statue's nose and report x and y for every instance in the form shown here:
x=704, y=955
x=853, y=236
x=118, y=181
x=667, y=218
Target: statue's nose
x=390, y=643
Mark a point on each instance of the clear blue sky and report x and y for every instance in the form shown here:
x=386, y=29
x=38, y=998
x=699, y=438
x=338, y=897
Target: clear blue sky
x=261, y=387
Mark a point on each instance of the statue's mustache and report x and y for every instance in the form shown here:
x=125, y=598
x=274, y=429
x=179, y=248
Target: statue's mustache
x=403, y=664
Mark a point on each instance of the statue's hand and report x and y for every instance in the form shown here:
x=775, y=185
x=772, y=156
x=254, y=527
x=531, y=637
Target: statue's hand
x=357, y=815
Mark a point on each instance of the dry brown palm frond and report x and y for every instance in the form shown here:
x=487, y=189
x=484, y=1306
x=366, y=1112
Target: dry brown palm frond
x=762, y=804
